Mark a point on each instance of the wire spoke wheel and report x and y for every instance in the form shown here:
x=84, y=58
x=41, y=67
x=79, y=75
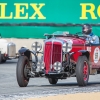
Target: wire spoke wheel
x=82, y=71
x=22, y=71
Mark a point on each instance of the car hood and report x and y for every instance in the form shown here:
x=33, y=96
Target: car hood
x=74, y=41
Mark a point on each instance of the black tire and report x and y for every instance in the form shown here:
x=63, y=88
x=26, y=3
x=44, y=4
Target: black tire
x=52, y=80
x=3, y=58
x=3, y=61
x=82, y=71
x=30, y=60
x=0, y=58
x=22, y=79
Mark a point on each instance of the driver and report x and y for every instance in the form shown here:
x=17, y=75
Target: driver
x=87, y=30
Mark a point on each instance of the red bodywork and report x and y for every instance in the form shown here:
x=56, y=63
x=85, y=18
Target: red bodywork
x=53, y=52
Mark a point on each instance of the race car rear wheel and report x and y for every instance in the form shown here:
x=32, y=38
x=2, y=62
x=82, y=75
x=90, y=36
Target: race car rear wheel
x=82, y=71
x=52, y=80
x=22, y=71
x=3, y=58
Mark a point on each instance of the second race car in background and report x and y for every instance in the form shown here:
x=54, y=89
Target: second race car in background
x=7, y=50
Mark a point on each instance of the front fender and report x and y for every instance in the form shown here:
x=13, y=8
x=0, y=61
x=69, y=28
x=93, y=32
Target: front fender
x=85, y=52
x=75, y=55
x=25, y=52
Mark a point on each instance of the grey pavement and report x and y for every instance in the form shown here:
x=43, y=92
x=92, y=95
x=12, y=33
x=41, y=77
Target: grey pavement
x=9, y=89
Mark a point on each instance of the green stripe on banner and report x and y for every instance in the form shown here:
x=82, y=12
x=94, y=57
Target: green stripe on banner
x=37, y=32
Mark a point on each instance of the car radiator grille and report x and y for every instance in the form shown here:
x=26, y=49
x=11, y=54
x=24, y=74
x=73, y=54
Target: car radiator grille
x=52, y=53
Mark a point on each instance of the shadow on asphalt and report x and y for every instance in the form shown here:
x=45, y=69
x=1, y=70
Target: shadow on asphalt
x=90, y=84
x=10, y=62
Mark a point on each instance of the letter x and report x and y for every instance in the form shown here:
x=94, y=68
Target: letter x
x=37, y=11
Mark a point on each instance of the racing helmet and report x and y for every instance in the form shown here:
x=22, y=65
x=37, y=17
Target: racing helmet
x=86, y=29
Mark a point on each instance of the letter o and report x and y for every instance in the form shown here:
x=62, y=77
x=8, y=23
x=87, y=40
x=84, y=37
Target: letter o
x=98, y=11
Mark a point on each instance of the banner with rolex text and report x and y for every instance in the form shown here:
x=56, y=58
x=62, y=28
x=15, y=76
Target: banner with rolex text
x=33, y=18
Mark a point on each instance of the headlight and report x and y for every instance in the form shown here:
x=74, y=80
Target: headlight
x=57, y=66
x=67, y=47
x=36, y=46
x=40, y=65
x=43, y=65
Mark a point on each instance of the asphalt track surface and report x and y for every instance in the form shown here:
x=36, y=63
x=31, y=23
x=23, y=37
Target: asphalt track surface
x=9, y=89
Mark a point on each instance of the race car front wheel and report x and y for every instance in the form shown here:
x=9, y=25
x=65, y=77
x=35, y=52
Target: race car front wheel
x=21, y=71
x=82, y=71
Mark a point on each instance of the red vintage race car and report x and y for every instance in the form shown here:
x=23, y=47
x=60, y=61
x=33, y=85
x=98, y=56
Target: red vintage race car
x=64, y=55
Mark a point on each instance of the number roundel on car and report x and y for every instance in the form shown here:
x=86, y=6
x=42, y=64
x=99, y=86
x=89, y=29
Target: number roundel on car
x=96, y=55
